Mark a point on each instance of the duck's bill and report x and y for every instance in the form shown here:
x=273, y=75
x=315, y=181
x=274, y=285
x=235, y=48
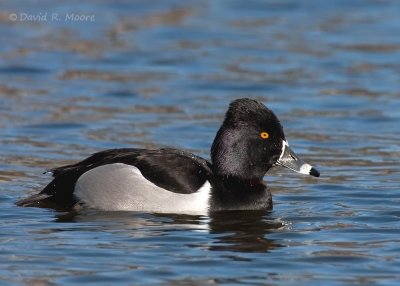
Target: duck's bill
x=291, y=161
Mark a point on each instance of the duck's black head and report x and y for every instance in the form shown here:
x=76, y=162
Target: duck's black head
x=251, y=141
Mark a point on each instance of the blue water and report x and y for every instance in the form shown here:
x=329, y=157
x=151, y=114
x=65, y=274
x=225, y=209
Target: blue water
x=162, y=73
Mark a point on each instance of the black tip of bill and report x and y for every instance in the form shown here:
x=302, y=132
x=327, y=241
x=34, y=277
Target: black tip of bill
x=314, y=172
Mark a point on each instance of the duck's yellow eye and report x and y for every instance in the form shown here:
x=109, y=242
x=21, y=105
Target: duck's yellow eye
x=264, y=135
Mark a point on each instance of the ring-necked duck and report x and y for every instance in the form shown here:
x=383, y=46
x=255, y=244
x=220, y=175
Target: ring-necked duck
x=249, y=142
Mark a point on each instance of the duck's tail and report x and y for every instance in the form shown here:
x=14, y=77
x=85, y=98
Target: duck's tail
x=33, y=201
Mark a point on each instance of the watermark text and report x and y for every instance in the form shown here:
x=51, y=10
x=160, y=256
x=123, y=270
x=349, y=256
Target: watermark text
x=52, y=17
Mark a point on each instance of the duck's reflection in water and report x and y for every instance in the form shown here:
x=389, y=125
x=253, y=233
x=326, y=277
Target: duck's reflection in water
x=243, y=231
x=238, y=231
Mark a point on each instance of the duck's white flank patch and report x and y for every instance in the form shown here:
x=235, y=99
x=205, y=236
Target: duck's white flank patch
x=118, y=186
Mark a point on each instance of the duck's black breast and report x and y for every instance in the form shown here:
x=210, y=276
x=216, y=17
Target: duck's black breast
x=174, y=170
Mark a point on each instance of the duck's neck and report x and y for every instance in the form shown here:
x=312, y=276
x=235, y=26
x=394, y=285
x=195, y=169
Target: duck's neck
x=233, y=183
x=234, y=193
